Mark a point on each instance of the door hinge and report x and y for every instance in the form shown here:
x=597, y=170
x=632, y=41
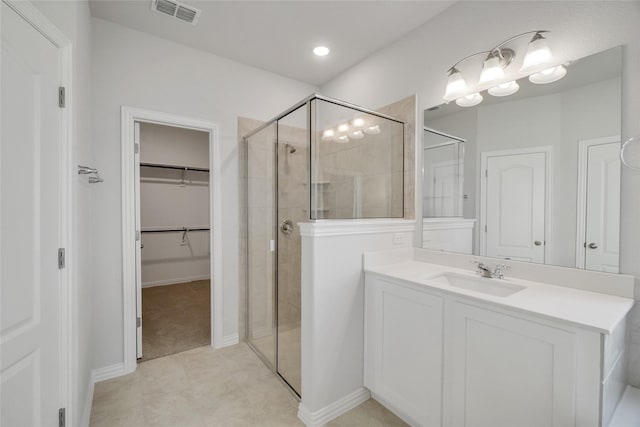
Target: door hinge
x=62, y=422
x=137, y=235
x=486, y=173
x=61, y=97
x=61, y=258
x=138, y=322
x=136, y=148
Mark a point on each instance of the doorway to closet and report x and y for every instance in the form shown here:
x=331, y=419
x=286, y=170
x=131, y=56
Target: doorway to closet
x=174, y=257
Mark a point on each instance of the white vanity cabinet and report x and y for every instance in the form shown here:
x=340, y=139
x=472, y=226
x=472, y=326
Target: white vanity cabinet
x=403, y=350
x=440, y=359
x=506, y=370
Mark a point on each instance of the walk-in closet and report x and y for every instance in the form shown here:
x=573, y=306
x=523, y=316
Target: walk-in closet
x=174, y=291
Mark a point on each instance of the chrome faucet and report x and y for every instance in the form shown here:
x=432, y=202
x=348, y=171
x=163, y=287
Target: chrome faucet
x=485, y=271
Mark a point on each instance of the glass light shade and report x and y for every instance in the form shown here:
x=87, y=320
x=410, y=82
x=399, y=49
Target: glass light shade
x=549, y=75
x=343, y=127
x=357, y=123
x=504, y=89
x=342, y=139
x=456, y=85
x=491, y=70
x=328, y=134
x=372, y=130
x=538, y=53
x=469, y=100
x=357, y=134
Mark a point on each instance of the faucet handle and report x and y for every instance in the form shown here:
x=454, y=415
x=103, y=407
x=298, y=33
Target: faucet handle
x=499, y=269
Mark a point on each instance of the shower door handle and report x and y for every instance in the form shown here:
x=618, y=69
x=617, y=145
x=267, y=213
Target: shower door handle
x=286, y=226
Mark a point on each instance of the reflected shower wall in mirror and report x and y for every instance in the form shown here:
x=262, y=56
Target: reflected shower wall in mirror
x=534, y=176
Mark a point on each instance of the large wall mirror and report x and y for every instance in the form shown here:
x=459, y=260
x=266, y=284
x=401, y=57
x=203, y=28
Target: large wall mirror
x=533, y=176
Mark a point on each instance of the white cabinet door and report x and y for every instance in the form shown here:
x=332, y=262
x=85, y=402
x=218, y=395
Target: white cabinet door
x=403, y=350
x=507, y=371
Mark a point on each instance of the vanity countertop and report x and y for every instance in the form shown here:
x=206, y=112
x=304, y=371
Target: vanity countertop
x=591, y=310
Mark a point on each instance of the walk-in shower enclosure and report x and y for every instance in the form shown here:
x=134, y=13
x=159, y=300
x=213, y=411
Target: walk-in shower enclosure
x=322, y=159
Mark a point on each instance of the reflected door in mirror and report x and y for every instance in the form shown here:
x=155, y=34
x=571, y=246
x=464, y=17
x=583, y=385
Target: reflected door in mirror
x=603, y=207
x=515, y=205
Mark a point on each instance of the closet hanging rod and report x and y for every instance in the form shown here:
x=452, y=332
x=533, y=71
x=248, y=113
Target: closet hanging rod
x=174, y=230
x=175, y=167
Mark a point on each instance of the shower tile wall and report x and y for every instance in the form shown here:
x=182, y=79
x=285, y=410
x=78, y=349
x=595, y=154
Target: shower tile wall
x=374, y=164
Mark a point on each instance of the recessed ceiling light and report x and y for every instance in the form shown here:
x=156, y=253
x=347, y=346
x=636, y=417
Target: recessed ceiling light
x=321, y=51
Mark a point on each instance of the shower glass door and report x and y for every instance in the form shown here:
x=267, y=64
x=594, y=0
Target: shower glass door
x=292, y=208
x=261, y=243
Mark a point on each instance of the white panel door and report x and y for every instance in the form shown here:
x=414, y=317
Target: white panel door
x=508, y=372
x=515, y=206
x=403, y=350
x=603, y=208
x=30, y=226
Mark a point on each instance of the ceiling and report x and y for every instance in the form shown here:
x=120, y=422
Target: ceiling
x=279, y=36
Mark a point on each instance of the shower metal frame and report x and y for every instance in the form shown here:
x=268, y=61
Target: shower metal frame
x=310, y=118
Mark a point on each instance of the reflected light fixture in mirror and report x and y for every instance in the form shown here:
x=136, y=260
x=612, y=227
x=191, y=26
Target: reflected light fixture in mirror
x=549, y=75
x=328, y=135
x=357, y=134
x=342, y=139
x=469, y=100
x=504, y=89
x=372, y=130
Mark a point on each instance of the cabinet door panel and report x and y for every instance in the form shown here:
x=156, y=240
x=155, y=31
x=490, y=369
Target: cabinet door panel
x=509, y=372
x=403, y=357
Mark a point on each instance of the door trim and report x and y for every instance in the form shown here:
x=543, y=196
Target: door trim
x=581, y=206
x=69, y=340
x=547, y=150
x=129, y=115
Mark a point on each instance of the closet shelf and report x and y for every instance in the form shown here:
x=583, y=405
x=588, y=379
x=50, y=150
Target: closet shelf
x=175, y=167
x=173, y=230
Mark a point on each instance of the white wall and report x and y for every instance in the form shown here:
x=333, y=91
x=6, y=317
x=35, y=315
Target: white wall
x=418, y=63
x=135, y=69
x=74, y=20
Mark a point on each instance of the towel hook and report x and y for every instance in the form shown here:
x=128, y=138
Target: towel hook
x=86, y=170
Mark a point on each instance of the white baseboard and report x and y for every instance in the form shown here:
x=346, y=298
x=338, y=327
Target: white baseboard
x=108, y=372
x=175, y=281
x=229, y=340
x=334, y=410
x=88, y=403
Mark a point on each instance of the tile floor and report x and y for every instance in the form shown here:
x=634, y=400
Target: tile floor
x=205, y=387
x=175, y=318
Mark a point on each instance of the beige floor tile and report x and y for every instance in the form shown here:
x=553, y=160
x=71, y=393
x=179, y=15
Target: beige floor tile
x=205, y=387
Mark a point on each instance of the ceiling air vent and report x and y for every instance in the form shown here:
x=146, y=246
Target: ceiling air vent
x=177, y=10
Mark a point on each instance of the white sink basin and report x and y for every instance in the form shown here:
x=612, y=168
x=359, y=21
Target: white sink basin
x=495, y=287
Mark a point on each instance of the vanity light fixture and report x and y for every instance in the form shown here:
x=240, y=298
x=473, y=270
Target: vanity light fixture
x=496, y=60
x=504, y=89
x=321, y=51
x=549, y=75
x=538, y=52
x=372, y=130
x=469, y=100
